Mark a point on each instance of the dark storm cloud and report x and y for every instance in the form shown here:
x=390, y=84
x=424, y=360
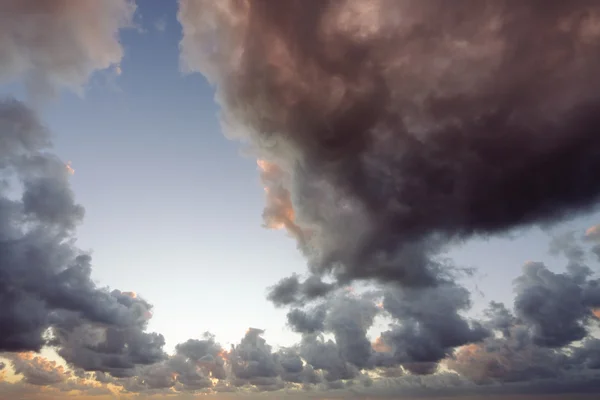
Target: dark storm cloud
x=252, y=361
x=45, y=281
x=114, y=350
x=325, y=356
x=558, y=307
x=500, y=318
x=205, y=353
x=429, y=325
x=291, y=291
x=539, y=345
x=307, y=321
x=426, y=326
x=349, y=319
x=389, y=130
x=403, y=125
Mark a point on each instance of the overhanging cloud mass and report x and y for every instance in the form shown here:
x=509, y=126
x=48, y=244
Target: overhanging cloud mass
x=400, y=126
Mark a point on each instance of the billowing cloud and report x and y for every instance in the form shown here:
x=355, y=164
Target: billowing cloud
x=62, y=42
x=377, y=159
x=47, y=292
x=429, y=326
x=291, y=291
x=382, y=156
x=38, y=370
x=558, y=307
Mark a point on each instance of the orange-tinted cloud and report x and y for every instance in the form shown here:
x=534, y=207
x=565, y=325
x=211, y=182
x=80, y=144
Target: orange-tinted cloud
x=279, y=211
x=38, y=370
x=380, y=346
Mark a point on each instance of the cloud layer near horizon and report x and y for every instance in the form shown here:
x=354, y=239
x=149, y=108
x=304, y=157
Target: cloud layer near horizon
x=374, y=166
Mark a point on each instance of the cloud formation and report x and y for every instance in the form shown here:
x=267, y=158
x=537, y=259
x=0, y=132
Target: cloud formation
x=388, y=130
x=374, y=159
x=60, y=43
x=429, y=346
x=384, y=156
x=46, y=288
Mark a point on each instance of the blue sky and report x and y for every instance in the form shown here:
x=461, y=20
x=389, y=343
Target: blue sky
x=173, y=211
x=173, y=208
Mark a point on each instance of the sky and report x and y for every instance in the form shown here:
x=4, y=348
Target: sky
x=293, y=200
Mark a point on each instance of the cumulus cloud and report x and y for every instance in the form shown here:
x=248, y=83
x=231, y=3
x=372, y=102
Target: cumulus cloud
x=429, y=326
x=38, y=370
x=558, y=307
x=47, y=292
x=387, y=131
x=380, y=157
x=291, y=291
x=60, y=43
x=542, y=340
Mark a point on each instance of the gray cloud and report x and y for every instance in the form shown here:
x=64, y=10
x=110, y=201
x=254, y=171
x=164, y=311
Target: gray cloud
x=349, y=319
x=46, y=286
x=500, y=318
x=588, y=354
x=544, y=298
x=62, y=42
x=429, y=326
x=107, y=349
x=307, y=321
x=380, y=157
x=38, y=370
x=252, y=361
x=291, y=291
x=377, y=160
x=511, y=359
x=324, y=355
x=538, y=345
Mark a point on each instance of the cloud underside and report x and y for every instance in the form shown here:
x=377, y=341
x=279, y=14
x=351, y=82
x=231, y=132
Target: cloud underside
x=386, y=131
